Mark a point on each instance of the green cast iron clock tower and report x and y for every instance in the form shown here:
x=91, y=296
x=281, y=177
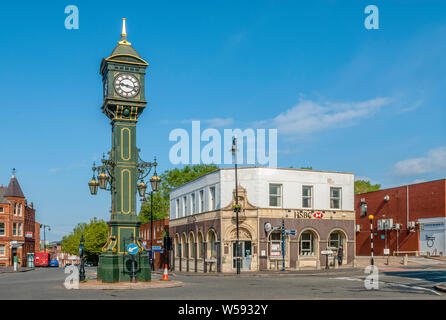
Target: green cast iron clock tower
x=123, y=76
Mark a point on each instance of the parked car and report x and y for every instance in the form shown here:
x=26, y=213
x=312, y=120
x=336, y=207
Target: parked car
x=54, y=263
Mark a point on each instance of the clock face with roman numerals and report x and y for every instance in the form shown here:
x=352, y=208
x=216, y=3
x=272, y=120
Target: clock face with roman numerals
x=126, y=85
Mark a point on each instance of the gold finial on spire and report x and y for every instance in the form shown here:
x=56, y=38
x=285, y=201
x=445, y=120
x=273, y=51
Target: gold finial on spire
x=124, y=35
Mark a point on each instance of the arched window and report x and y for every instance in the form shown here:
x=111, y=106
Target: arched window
x=336, y=239
x=200, y=246
x=191, y=246
x=212, y=245
x=307, y=243
x=177, y=246
x=15, y=209
x=20, y=210
x=275, y=244
x=184, y=246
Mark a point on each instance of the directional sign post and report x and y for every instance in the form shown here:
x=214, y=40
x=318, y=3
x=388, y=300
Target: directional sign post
x=284, y=233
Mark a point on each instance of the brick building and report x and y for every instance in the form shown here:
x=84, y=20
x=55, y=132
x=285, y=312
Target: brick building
x=63, y=258
x=399, y=217
x=317, y=205
x=19, y=232
x=160, y=229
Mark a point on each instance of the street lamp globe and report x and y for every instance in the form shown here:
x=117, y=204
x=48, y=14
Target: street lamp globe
x=155, y=182
x=103, y=180
x=371, y=217
x=142, y=187
x=93, y=185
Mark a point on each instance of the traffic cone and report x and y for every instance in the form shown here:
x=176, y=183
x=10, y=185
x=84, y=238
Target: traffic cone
x=165, y=275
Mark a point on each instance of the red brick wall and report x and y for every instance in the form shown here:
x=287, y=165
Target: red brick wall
x=426, y=200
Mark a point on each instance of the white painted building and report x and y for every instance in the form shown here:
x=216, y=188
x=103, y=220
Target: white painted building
x=432, y=236
x=201, y=213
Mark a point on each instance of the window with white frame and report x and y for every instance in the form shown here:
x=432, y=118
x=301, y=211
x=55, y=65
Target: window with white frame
x=184, y=206
x=275, y=244
x=14, y=229
x=307, y=244
x=201, y=201
x=20, y=210
x=2, y=229
x=211, y=198
x=15, y=209
x=2, y=250
x=335, y=198
x=307, y=197
x=275, y=195
x=192, y=202
x=20, y=229
x=336, y=240
x=177, y=208
x=2, y=210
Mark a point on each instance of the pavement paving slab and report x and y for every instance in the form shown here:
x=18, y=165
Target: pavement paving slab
x=154, y=284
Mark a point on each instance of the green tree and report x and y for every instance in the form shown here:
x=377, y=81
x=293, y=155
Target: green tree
x=171, y=179
x=363, y=186
x=95, y=237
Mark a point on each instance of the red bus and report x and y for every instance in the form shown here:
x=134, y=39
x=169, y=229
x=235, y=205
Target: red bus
x=41, y=259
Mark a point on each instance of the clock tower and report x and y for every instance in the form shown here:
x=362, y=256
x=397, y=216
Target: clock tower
x=123, y=77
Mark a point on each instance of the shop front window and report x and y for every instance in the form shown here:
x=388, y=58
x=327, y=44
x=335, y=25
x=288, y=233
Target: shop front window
x=307, y=244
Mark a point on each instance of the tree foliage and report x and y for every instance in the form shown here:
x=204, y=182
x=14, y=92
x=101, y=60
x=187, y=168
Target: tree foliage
x=171, y=179
x=95, y=237
x=363, y=186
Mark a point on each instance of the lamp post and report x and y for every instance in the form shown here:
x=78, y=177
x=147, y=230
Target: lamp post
x=236, y=207
x=44, y=226
x=371, y=239
x=142, y=187
x=81, y=255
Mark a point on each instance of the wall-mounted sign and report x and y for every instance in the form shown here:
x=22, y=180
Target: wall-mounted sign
x=326, y=252
x=28, y=234
x=318, y=215
x=268, y=227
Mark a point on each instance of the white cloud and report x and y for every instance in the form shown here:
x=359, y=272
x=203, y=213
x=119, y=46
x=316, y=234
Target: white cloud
x=433, y=162
x=310, y=116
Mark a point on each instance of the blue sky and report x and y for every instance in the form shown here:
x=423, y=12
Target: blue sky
x=342, y=97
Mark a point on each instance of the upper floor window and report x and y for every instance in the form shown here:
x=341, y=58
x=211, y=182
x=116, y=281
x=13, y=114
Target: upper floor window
x=14, y=229
x=2, y=250
x=192, y=201
x=2, y=210
x=184, y=206
x=2, y=228
x=15, y=209
x=177, y=208
x=200, y=201
x=211, y=198
x=335, y=198
x=20, y=209
x=275, y=195
x=307, y=197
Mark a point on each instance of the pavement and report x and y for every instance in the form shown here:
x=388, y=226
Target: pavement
x=11, y=269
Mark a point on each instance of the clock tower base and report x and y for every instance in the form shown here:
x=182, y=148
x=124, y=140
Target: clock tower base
x=115, y=267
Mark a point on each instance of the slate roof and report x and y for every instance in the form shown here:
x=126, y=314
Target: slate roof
x=14, y=189
x=2, y=193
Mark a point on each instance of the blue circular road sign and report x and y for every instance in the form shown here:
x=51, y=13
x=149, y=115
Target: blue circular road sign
x=132, y=248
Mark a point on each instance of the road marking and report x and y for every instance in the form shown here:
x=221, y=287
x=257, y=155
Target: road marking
x=391, y=284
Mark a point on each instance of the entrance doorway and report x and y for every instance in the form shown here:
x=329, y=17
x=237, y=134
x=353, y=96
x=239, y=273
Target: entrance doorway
x=245, y=255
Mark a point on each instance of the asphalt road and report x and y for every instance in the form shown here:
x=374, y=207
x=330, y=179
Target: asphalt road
x=397, y=283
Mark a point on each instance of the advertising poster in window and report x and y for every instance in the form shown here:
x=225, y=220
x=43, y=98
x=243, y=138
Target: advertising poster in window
x=275, y=249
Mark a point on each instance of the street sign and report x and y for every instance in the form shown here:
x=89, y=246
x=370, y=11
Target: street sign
x=326, y=252
x=268, y=227
x=132, y=248
x=154, y=248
